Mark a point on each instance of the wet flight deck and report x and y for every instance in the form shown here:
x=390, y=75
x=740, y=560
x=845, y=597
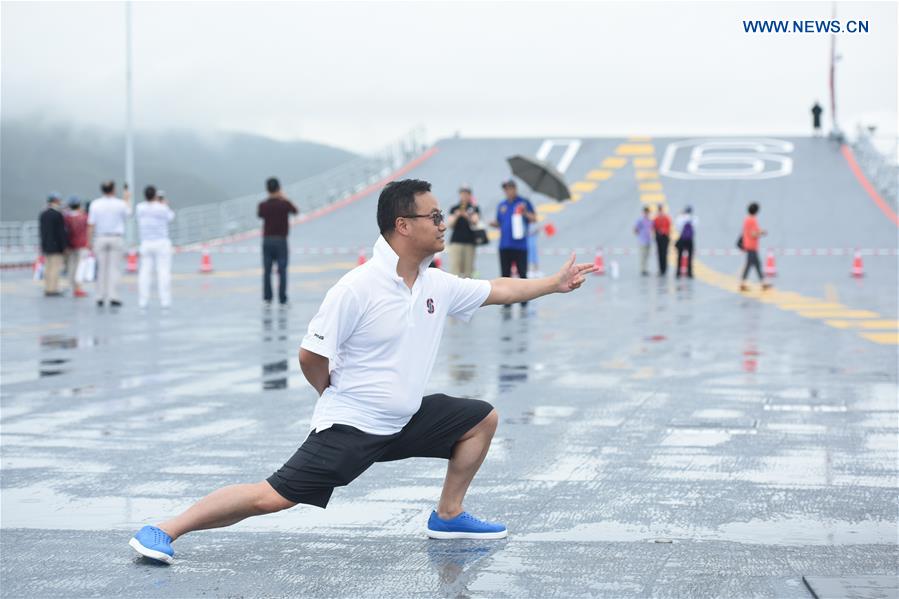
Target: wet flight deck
x=659, y=437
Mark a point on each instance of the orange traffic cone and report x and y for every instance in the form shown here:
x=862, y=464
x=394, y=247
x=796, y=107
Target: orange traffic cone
x=770, y=266
x=132, y=261
x=205, y=262
x=549, y=229
x=858, y=269
x=361, y=260
x=599, y=266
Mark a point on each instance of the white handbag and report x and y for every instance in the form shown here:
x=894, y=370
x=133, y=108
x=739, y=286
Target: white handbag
x=517, y=226
x=87, y=270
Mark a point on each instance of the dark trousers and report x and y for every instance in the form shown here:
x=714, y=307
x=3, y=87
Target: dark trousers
x=752, y=260
x=684, y=246
x=274, y=249
x=517, y=257
x=662, y=246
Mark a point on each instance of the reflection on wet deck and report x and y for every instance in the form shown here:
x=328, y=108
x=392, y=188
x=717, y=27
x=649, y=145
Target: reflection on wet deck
x=632, y=430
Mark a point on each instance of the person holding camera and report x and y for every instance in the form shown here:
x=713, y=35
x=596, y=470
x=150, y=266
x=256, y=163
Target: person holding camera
x=153, y=218
x=464, y=219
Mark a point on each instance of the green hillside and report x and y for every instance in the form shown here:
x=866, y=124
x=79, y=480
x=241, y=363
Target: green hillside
x=192, y=168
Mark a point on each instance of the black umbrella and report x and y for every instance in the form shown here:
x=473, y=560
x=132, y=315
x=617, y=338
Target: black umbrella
x=540, y=176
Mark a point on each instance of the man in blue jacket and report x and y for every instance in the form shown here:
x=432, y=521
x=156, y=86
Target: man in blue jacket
x=513, y=215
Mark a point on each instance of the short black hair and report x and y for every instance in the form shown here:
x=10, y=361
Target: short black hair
x=272, y=184
x=107, y=187
x=149, y=192
x=753, y=208
x=398, y=199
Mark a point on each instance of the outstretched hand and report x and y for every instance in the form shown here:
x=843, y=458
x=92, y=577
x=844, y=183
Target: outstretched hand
x=571, y=275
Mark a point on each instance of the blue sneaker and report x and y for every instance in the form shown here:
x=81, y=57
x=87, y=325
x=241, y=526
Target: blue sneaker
x=152, y=542
x=464, y=526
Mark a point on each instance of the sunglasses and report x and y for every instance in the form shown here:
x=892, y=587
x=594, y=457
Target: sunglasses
x=436, y=217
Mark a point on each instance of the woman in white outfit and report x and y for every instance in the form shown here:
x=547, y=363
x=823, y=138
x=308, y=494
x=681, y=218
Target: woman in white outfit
x=153, y=218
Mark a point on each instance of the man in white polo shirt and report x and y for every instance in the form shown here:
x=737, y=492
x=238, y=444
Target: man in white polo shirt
x=106, y=220
x=153, y=218
x=369, y=352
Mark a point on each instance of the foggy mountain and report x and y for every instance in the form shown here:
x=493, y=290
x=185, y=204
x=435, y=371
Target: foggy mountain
x=193, y=168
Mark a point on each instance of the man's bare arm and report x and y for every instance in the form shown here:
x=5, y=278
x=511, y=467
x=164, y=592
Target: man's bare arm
x=315, y=369
x=510, y=291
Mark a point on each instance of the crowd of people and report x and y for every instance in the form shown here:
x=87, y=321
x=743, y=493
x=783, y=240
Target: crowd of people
x=89, y=244
x=514, y=216
x=660, y=228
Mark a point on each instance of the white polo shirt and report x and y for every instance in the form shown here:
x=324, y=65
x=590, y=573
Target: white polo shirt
x=381, y=340
x=108, y=215
x=153, y=220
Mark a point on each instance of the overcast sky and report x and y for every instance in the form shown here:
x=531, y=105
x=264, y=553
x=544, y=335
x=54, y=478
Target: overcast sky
x=360, y=74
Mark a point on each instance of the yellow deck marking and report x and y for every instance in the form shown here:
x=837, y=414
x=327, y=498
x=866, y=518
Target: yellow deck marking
x=650, y=186
x=645, y=162
x=808, y=306
x=600, y=175
x=614, y=162
x=576, y=197
x=583, y=186
x=646, y=372
x=615, y=364
x=551, y=208
x=798, y=297
x=644, y=175
x=652, y=198
x=863, y=324
x=884, y=338
x=837, y=314
x=776, y=297
x=493, y=235
x=635, y=150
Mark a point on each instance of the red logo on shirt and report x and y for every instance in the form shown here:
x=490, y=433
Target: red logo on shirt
x=430, y=304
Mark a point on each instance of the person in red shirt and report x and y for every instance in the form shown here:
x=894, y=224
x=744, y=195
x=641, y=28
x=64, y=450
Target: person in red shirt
x=662, y=227
x=275, y=213
x=751, y=234
x=76, y=229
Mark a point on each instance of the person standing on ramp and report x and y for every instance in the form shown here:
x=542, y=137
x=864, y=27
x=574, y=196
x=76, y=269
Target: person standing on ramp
x=816, y=119
x=275, y=213
x=749, y=242
x=662, y=226
x=369, y=352
x=513, y=218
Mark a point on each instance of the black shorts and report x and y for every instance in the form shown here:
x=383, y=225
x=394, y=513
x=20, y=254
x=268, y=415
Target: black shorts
x=339, y=454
